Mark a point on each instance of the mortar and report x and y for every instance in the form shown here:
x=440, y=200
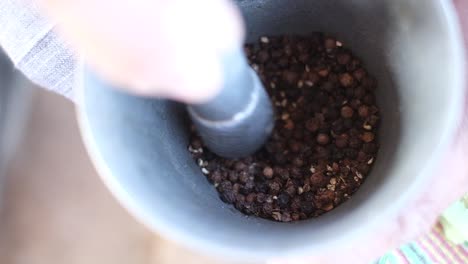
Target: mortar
x=139, y=145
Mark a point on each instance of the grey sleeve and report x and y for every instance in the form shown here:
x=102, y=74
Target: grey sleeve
x=34, y=47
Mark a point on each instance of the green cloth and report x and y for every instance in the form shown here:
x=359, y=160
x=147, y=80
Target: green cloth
x=455, y=221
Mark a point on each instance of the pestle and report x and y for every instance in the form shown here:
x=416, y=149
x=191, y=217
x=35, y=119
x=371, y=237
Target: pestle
x=239, y=120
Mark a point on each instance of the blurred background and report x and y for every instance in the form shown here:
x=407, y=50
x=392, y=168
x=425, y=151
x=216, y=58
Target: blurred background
x=54, y=207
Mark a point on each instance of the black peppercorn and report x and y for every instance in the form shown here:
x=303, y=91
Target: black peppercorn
x=324, y=141
x=268, y=172
x=347, y=112
x=283, y=200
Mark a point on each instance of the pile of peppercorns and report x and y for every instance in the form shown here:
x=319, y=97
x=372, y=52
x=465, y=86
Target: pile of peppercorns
x=324, y=141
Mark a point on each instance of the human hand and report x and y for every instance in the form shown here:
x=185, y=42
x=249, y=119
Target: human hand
x=168, y=48
x=447, y=184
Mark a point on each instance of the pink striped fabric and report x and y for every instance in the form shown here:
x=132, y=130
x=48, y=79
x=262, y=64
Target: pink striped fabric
x=432, y=248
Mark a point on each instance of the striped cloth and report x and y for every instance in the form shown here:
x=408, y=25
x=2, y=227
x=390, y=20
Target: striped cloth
x=432, y=248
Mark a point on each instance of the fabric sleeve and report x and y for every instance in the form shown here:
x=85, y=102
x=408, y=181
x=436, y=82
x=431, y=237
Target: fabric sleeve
x=34, y=47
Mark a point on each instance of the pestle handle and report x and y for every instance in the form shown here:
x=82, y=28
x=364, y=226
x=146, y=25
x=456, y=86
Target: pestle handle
x=239, y=120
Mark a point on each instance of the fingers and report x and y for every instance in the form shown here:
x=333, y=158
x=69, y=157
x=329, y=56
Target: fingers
x=160, y=48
